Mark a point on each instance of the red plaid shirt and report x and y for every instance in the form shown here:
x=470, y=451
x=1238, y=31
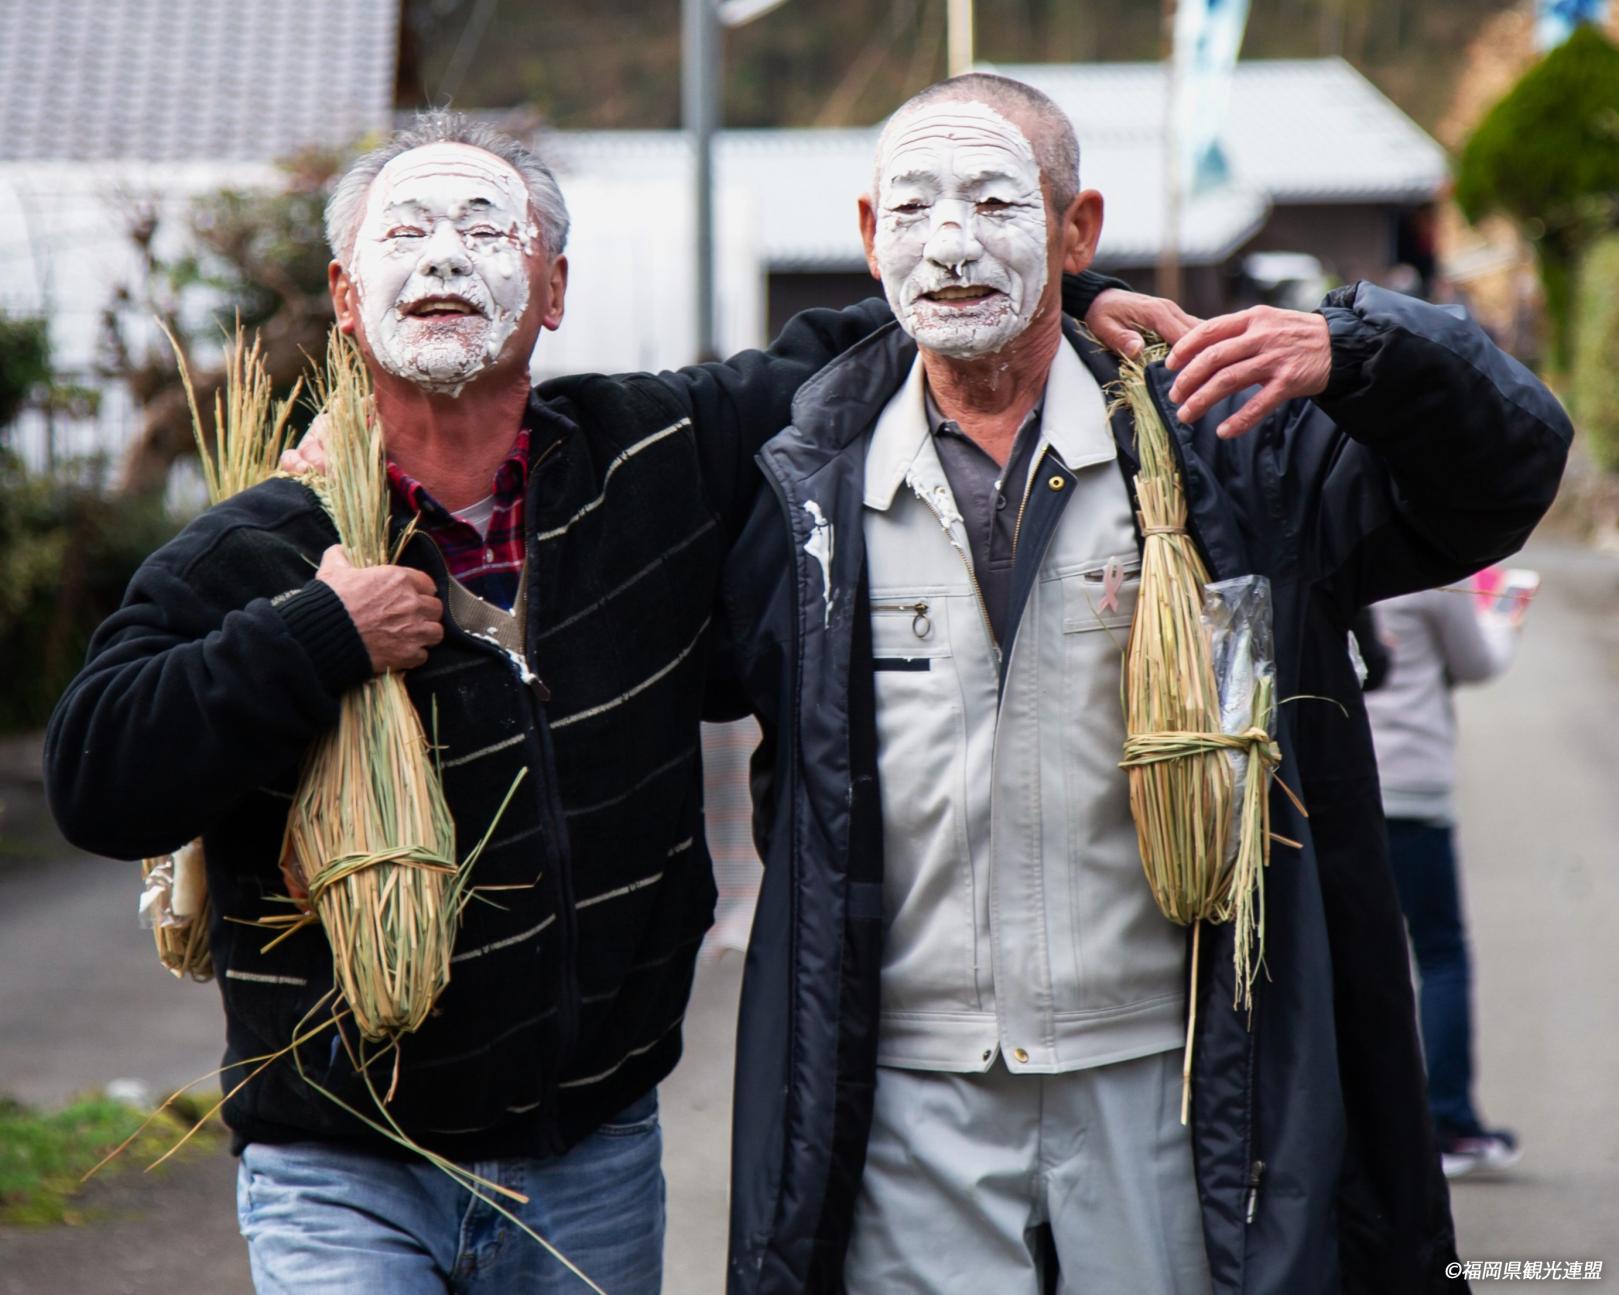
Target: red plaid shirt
x=489, y=565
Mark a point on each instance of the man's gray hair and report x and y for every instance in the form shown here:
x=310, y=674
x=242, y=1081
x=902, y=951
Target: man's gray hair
x=1056, y=147
x=343, y=208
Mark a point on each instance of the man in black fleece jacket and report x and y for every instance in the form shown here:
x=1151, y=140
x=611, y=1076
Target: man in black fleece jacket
x=582, y=525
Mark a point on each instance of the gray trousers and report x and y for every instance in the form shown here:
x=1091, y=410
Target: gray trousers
x=979, y=1182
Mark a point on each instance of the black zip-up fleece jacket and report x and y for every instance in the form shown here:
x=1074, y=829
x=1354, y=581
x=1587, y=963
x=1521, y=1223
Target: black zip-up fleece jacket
x=1429, y=455
x=226, y=661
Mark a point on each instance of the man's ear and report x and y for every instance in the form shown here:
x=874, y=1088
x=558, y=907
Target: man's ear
x=559, y=289
x=345, y=300
x=868, y=235
x=1081, y=231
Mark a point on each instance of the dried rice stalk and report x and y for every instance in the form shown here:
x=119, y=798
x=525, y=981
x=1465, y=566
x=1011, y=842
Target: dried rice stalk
x=370, y=835
x=1182, y=791
x=244, y=449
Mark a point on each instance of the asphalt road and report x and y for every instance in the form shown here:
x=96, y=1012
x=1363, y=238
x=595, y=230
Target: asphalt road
x=84, y=1001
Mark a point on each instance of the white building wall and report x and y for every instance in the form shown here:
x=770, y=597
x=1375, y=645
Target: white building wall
x=65, y=249
x=631, y=278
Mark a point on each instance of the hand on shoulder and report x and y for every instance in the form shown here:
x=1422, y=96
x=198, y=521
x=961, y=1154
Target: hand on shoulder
x=1285, y=353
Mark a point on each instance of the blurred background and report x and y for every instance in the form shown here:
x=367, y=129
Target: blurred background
x=168, y=160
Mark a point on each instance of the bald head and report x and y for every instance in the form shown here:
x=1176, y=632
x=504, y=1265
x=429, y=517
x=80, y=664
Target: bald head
x=1049, y=131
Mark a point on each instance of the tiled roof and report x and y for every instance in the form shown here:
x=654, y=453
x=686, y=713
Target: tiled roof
x=802, y=186
x=1298, y=130
x=177, y=80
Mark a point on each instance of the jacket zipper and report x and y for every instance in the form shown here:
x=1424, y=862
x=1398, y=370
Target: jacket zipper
x=552, y=819
x=568, y=991
x=790, y=738
x=1017, y=526
x=921, y=624
x=1253, y=1190
x=1256, y=1167
x=972, y=578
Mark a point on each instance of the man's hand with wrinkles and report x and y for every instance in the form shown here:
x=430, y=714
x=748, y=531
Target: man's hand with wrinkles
x=1117, y=318
x=1285, y=353
x=395, y=609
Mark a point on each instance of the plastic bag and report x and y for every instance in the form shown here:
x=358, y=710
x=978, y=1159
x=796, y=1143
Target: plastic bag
x=174, y=908
x=157, y=890
x=1237, y=617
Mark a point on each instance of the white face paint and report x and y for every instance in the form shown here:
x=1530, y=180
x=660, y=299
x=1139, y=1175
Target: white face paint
x=440, y=263
x=961, y=228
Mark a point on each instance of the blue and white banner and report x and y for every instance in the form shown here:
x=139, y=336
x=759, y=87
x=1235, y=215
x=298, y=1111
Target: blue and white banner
x=1555, y=20
x=1208, y=37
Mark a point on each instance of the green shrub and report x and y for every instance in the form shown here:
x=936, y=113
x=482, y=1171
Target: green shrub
x=44, y=1154
x=1594, y=376
x=1547, y=156
x=25, y=363
x=67, y=551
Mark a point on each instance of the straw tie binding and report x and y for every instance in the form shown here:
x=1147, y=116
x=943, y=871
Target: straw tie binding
x=415, y=856
x=1152, y=748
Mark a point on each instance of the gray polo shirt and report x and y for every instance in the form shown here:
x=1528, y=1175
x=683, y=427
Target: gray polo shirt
x=988, y=498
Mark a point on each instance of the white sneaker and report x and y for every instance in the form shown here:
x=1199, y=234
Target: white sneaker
x=1490, y=1151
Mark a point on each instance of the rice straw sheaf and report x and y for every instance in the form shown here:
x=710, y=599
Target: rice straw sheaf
x=249, y=433
x=370, y=836
x=1182, y=784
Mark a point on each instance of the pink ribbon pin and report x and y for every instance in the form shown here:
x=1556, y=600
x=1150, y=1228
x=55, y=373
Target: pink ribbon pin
x=1112, y=582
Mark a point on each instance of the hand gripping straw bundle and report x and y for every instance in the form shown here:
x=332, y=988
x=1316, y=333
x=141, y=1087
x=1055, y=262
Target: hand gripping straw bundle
x=1199, y=702
x=369, y=835
x=244, y=449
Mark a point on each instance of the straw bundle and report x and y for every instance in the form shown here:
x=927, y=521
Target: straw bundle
x=1177, y=751
x=369, y=835
x=244, y=449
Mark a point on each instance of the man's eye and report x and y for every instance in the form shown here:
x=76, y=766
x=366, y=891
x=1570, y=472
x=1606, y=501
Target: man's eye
x=911, y=208
x=404, y=231
x=485, y=231
x=994, y=204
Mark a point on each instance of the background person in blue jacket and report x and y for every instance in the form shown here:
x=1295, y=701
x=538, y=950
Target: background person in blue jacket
x=1438, y=639
x=962, y=1013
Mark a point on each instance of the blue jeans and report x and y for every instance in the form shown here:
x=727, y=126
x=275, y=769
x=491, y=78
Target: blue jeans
x=327, y=1219
x=1424, y=859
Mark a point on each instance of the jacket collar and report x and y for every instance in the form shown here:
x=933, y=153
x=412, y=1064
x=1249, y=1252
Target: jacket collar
x=1074, y=424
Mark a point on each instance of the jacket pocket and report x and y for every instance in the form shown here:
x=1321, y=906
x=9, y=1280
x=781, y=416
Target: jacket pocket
x=1122, y=954
x=928, y=899
x=1101, y=595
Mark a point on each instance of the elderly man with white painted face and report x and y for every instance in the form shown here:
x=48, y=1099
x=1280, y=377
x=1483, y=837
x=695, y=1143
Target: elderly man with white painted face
x=959, y=1065
x=552, y=609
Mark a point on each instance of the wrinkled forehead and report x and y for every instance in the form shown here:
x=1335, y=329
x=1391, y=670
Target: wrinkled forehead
x=444, y=177
x=963, y=136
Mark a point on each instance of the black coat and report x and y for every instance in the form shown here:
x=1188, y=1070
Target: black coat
x=1430, y=454
x=226, y=661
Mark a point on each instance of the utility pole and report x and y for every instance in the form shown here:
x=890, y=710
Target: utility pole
x=700, y=99
x=960, y=44
x=1169, y=255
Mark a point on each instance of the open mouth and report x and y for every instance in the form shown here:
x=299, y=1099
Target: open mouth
x=441, y=308
x=964, y=294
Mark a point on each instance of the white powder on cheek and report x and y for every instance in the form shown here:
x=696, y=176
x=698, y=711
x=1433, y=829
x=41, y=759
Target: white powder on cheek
x=960, y=205
x=443, y=220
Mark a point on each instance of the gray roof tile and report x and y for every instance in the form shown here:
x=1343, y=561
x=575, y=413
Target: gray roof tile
x=185, y=80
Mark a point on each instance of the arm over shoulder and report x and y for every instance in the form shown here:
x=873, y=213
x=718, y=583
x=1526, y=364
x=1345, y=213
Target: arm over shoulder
x=736, y=405
x=1430, y=454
